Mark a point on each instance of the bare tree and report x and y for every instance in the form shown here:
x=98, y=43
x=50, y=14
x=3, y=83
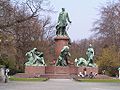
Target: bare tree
x=107, y=42
x=108, y=26
x=23, y=28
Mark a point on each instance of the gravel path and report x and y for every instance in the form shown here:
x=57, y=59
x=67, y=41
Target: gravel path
x=58, y=84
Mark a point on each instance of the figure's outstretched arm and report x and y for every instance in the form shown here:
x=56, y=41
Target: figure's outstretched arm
x=68, y=18
x=93, y=52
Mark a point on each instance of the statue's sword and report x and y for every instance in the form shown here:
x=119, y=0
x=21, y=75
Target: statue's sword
x=68, y=26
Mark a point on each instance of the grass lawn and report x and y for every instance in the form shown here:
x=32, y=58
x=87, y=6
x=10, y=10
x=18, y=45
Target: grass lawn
x=98, y=80
x=27, y=79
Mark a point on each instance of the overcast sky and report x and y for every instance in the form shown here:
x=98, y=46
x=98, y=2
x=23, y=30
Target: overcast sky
x=82, y=13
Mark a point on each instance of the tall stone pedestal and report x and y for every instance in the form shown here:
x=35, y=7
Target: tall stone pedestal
x=60, y=42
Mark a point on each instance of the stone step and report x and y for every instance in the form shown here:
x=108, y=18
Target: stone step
x=54, y=76
x=57, y=76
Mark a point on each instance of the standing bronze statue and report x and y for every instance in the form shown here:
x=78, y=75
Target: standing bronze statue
x=90, y=55
x=90, y=59
x=63, y=20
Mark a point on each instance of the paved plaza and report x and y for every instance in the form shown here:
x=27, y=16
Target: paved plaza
x=58, y=84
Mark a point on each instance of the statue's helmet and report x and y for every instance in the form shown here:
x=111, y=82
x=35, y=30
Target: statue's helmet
x=63, y=9
x=34, y=49
x=90, y=45
x=76, y=60
x=65, y=48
